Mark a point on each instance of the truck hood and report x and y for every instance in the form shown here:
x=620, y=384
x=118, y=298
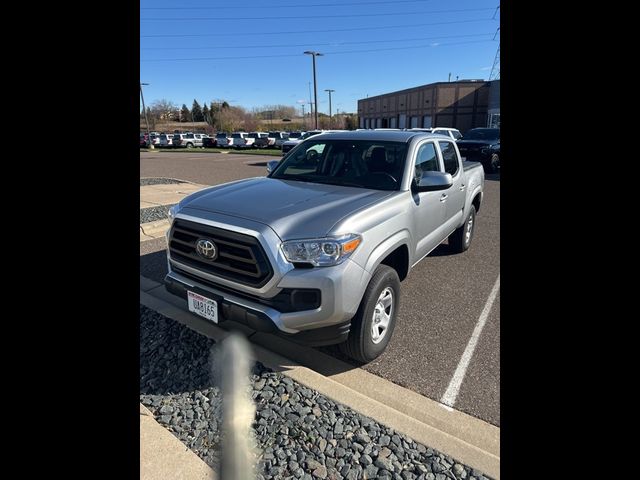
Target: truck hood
x=292, y=209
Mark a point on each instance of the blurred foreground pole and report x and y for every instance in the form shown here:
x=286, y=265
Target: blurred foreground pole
x=238, y=410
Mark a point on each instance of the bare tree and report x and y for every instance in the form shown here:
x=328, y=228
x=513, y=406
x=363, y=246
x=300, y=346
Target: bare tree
x=163, y=110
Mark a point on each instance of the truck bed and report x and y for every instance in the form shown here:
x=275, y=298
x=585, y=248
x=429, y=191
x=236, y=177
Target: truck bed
x=466, y=165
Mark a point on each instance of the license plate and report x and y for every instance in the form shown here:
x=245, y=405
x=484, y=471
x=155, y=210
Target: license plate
x=205, y=307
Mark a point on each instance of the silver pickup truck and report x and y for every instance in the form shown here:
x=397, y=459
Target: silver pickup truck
x=316, y=250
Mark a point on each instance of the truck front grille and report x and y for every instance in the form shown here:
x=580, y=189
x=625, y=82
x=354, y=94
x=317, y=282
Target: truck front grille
x=240, y=258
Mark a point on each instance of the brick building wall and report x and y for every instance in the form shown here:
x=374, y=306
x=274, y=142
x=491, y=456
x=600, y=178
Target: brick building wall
x=462, y=105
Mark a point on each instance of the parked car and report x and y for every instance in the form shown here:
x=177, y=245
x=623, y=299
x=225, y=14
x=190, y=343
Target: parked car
x=289, y=144
x=482, y=145
x=449, y=132
x=295, y=135
x=209, y=142
x=224, y=140
x=276, y=139
x=316, y=250
x=155, y=139
x=188, y=140
x=144, y=140
x=242, y=140
x=166, y=140
x=261, y=139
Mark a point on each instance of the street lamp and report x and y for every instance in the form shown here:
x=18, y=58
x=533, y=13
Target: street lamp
x=315, y=87
x=151, y=147
x=329, y=90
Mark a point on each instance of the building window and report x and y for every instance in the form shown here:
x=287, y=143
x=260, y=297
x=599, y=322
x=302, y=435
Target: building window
x=493, y=121
x=426, y=121
x=414, y=122
x=402, y=121
x=393, y=122
x=361, y=122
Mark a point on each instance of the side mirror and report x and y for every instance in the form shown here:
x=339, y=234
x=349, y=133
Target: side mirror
x=432, y=181
x=271, y=166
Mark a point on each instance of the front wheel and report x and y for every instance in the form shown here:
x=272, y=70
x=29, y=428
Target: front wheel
x=373, y=324
x=189, y=145
x=460, y=240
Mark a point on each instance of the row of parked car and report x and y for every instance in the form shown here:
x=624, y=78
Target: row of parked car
x=221, y=139
x=477, y=145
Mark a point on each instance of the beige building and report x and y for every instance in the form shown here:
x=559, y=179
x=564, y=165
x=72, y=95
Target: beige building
x=461, y=104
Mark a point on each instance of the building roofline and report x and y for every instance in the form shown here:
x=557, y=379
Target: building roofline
x=473, y=82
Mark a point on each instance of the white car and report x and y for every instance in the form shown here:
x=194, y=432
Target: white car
x=289, y=144
x=449, y=132
x=242, y=140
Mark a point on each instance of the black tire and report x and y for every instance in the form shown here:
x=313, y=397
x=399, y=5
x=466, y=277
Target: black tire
x=492, y=164
x=459, y=241
x=360, y=344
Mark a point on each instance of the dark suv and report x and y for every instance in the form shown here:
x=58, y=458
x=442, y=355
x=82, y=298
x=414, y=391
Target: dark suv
x=482, y=145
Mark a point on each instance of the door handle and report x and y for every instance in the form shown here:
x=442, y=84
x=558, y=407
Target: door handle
x=462, y=187
x=444, y=197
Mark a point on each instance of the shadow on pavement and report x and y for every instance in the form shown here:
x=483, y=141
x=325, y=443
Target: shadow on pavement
x=492, y=177
x=154, y=265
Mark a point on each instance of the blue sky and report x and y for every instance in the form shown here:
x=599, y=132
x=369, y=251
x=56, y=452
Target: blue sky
x=370, y=48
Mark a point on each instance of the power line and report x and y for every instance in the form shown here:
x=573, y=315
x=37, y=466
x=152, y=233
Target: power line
x=218, y=47
x=291, y=6
x=495, y=69
x=325, y=53
x=172, y=35
x=288, y=17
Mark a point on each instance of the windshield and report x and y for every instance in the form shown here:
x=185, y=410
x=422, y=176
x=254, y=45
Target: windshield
x=483, y=134
x=352, y=163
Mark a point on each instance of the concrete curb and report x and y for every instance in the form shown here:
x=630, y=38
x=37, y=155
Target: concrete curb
x=163, y=456
x=151, y=230
x=466, y=438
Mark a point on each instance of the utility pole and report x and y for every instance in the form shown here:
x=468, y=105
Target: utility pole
x=151, y=147
x=329, y=90
x=315, y=83
x=449, y=77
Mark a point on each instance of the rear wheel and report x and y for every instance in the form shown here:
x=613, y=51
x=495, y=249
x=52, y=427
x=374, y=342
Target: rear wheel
x=494, y=163
x=189, y=145
x=373, y=324
x=460, y=240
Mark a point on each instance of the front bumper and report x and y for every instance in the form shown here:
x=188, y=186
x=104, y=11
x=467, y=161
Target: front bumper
x=258, y=316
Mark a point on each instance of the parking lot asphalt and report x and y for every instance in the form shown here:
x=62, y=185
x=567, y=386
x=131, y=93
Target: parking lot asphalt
x=442, y=298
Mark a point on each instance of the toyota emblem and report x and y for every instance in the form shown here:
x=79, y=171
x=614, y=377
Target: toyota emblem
x=206, y=249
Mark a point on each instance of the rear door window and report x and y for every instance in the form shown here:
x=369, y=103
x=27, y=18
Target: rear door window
x=449, y=157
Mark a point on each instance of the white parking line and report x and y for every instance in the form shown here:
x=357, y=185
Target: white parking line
x=449, y=397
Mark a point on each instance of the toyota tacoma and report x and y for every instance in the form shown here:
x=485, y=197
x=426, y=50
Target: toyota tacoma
x=316, y=250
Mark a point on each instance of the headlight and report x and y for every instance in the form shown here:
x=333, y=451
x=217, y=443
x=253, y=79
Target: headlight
x=321, y=252
x=171, y=214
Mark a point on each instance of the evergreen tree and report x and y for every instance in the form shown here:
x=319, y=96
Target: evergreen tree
x=185, y=114
x=205, y=114
x=196, y=112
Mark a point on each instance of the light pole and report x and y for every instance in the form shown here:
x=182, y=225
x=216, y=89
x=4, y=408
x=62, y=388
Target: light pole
x=315, y=86
x=329, y=90
x=145, y=116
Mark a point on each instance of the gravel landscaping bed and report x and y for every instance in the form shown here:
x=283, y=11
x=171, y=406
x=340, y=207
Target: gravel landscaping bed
x=152, y=214
x=300, y=433
x=159, y=181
